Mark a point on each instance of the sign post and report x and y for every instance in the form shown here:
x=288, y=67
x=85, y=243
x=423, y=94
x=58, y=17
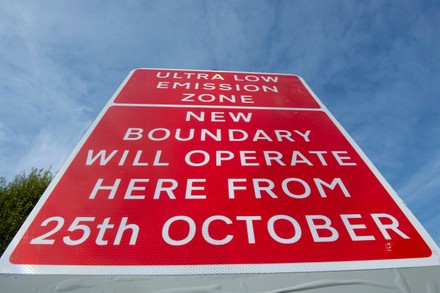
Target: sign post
x=209, y=172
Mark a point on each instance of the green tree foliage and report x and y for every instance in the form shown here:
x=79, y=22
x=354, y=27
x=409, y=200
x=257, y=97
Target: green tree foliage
x=17, y=199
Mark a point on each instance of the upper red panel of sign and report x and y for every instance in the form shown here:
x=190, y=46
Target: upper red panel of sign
x=182, y=87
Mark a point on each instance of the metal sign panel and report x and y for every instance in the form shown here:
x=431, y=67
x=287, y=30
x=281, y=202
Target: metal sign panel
x=209, y=172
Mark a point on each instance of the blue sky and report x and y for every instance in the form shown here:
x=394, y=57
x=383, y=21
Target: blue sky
x=374, y=64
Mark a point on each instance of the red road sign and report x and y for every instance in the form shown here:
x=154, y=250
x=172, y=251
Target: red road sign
x=162, y=185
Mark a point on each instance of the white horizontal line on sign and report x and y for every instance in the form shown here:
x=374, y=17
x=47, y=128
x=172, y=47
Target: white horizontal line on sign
x=214, y=107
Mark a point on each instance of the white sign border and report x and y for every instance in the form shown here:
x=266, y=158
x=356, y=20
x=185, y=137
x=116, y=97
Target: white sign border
x=7, y=267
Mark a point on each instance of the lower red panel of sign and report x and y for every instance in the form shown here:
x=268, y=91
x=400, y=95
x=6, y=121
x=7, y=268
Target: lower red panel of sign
x=217, y=187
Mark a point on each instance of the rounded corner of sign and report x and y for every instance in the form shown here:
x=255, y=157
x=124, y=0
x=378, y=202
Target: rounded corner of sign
x=303, y=81
x=134, y=70
x=300, y=78
x=137, y=69
x=435, y=254
x=5, y=266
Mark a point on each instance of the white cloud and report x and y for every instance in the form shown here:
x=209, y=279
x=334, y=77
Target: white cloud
x=422, y=192
x=51, y=147
x=39, y=96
